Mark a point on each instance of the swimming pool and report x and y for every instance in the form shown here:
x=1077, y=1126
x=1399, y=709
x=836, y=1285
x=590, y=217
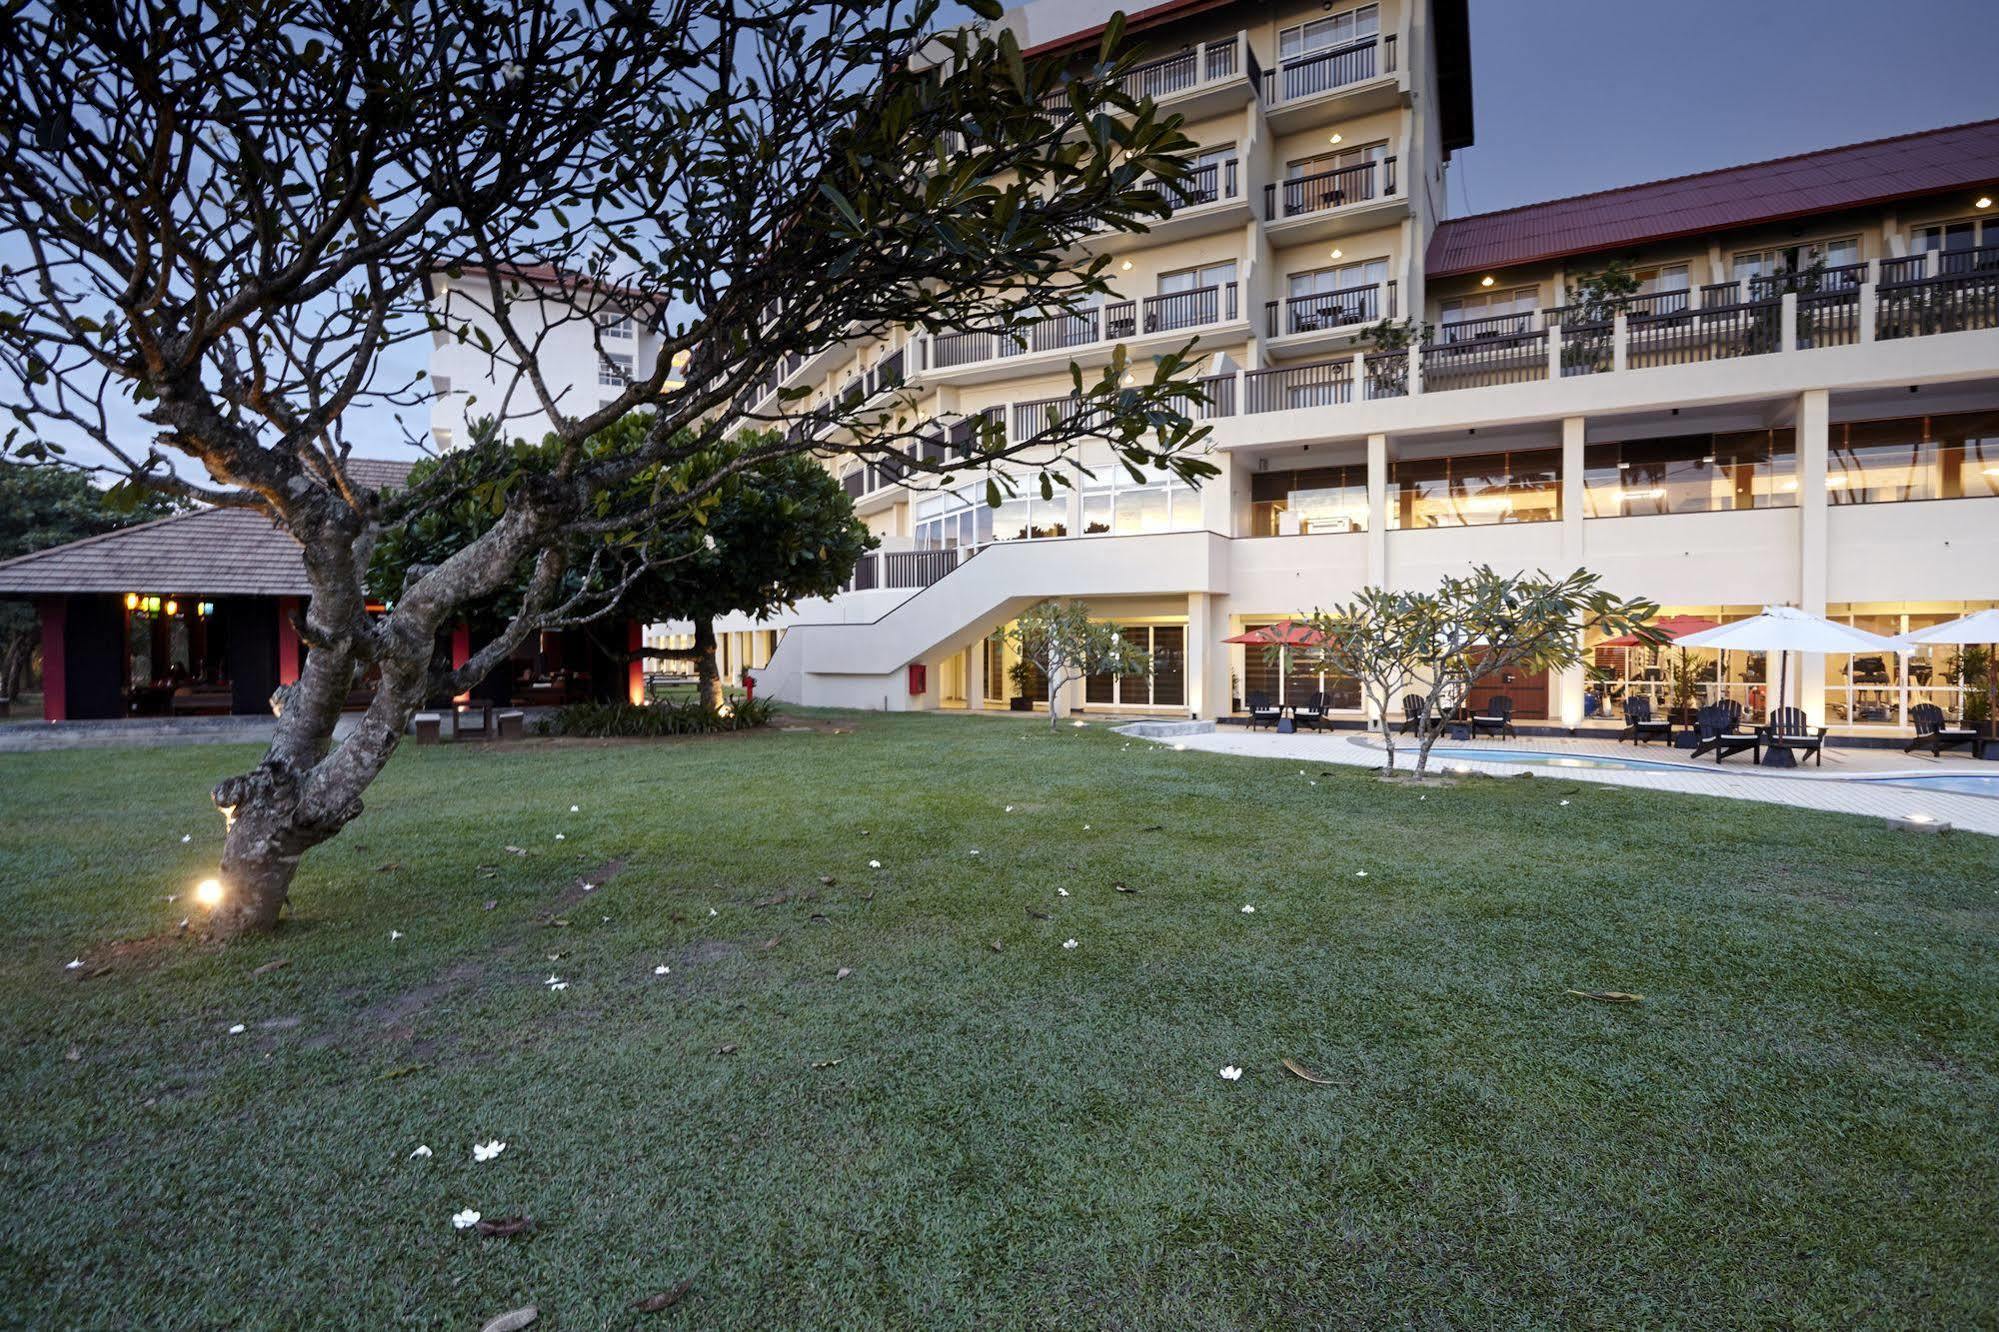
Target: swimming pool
x=1543, y=759
x=1957, y=783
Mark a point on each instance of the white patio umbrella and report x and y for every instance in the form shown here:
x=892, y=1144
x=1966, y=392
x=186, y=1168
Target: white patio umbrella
x=1786, y=629
x=1981, y=629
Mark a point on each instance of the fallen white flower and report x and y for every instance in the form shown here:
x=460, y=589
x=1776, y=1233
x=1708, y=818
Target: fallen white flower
x=1009, y=809
x=1063, y=891
x=589, y=887
x=1086, y=827
x=465, y=1220
x=559, y=985
x=72, y=964
x=1360, y=874
x=659, y=971
x=713, y=912
x=420, y=1151
x=975, y=850
x=395, y=935
x=486, y=1151
x=185, y=838
x=1565, y=802
x=874, y=864
x=1248, y=910
x=236, y=1030
x=1071, y=944
x=1230, y=1073
x=559, y=837
x=574, y=808
x=553, y=980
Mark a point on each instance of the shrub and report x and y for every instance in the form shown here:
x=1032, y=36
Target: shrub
x=609, y=720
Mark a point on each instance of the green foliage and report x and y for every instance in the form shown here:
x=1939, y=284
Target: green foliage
x=1064, y=644
x=602, y=721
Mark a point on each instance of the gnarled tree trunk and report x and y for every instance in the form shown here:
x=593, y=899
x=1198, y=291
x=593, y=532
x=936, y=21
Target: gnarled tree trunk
x=706, y=672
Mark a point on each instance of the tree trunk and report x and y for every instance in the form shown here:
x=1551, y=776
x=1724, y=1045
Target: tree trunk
x=1054, y=689
x=705, y=670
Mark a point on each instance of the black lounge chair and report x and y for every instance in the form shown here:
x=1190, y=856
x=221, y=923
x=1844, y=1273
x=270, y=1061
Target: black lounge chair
x=1412, y=713
x=1936, y=734
x=1262, y=712
x=1639, y=724
x=1790, y=729
x=1312, y=712
x=1717, y=730
x=1497, y=718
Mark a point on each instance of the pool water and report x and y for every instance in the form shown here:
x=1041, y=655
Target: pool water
x=1540, y=759
x=1958, y=783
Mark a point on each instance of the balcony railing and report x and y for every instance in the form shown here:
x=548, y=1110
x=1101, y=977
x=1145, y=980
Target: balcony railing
x=1111, y=322
x=1950, y=303
x=1319, y=311
x=906, y=568
x=1320, y=384
x=1207, y=184
x=1184, y=71
x=1325, y=190
x=1507, y=358
x=1323, y=71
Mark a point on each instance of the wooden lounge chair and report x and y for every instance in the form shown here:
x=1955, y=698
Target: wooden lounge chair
x=1936, y=734
x=1497, y=717
x=1790, y=729
x=1412, y=713
x=1311, y=712
x=1262, y=712
x=1639, y=724
x=1717, y=730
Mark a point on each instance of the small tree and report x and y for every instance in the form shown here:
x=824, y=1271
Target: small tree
x=1592, y=303
x=1436, y=646
x=1066, y=645
x=1388, y=373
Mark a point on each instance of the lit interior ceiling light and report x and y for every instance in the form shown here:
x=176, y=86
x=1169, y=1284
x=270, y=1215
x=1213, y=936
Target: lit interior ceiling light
x=1984, y=201
x=1127, y=265
x=1337, y=253
x=1336, y=139
x=1485, y=281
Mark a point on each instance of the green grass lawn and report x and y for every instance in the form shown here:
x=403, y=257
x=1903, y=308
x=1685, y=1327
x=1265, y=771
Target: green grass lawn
x=1798, y=1127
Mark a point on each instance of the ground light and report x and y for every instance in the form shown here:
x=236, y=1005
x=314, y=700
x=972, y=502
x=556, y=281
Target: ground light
x=209, y=892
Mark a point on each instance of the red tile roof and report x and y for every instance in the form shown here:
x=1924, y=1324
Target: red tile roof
x=210, y=552
x=1855, y=176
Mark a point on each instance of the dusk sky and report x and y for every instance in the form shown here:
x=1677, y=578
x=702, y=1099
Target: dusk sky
x=1571, y=96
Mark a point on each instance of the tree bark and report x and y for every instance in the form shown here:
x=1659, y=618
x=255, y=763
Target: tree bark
x=706, y=673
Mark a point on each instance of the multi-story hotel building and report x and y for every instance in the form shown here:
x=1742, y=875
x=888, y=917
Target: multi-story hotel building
x=1799, y=404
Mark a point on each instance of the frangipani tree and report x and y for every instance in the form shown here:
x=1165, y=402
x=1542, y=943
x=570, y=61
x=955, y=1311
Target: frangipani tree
x=1066, y=645
x=1436, y=646
x=220, y=223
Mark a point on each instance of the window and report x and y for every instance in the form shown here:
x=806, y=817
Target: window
x=1190, y=297
x=1768, y=265
x=1489, y=313
x=1308, y=500
x=1965, y=244
x=952, y=520
x=1662, y=289
x=615, y=326
x=1288, y=680
x=1325, y=34
x=1476, y=490
x=1320, y=163
x=1211, y=176
x=1163, y=686
x=1194, y=279
x=1920, y=458
x=1667, y=675
x=1114, y=503
x=614, y=368
x=1750, y=469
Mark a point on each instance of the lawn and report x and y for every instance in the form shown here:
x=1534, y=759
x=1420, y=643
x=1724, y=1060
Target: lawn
x=930, y=1112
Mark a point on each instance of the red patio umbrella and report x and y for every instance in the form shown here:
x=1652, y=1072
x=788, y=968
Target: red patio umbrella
x=1672, y=626
x=1285, y=633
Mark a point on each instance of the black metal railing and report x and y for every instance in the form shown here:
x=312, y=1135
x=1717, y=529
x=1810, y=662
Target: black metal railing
x=1036, y=417
x=1190, y=309
x=1710, y=333
x=1319, y=311
x=1319, y=384
x=1323, y=190
x=888, y=374
x=916, y=568
x=1483, y=362
x=1322, y=71
x=1828, y=318
x=1385, y=374
x=1950, y=303
x=1206, y=184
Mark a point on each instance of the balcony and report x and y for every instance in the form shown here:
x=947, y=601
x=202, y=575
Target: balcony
x=1205, y=79
x=1334, y=203
x=906, y=568
x=1364, y=72
x=1207, y=200
x=1303, y=323
x=1057, y=339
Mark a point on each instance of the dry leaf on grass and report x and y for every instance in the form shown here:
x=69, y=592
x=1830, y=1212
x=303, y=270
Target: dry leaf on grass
x=827, y=1063
x=769, y=943
x=506, y=1226
x=1607, y=996
x=1039, y=915
x=389, y=868
x=513, y=1320
x=666, y=1299
x=726, y=1049
x=1298, y=1070
x=1125, y=888
x=779, y=900
x=826, y=879
x=277, y=964
x=998, y=947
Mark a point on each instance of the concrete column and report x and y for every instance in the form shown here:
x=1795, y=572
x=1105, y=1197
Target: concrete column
x=1378, y=456
x=1787, y=322
x=1207, y=657
x=1568, y=685
x=1814, y=432
x=975, y=675
x=1218, y=496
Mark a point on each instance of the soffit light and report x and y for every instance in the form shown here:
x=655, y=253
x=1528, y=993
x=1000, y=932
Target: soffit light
x=1984, y=201
x=1485, y=282
x=1336, y=139
x=1127, y=265
x=1337, y=253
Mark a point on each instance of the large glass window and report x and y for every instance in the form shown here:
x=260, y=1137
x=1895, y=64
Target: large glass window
x=1879, y=688
x=1510, y=311
x=1164, y=685
x=1308, y=500
x=1287, y=679
x=1115, y=503
x=1679, y=681
x=1476, y=490
x=1750, y=469
x=1335, y=30
x=1916, y=458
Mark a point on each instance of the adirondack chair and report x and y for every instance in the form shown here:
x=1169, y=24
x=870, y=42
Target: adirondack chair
x=1717, y=730
x=1790, y=729
x=1936, y=734
x=1639, y=724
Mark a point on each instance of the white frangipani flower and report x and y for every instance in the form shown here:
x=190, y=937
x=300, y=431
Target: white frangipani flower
x=1230, y=1073
x=486, y=1151
x=420, y=1151
x=237, y=1030
x=464, y=1220
x=713, y=912
x=1360, y=874
x=185, y=838
x=559, y=837
x=1565, y=802
x=1062, y=891
x=975, y=850
x=660, y=970
x=395, y=935
x=874, y=864
x=559, y=985
x=1009, y=809
x=72, y=964
x=575, y=808
x=1071, y=944
x=1248, y=910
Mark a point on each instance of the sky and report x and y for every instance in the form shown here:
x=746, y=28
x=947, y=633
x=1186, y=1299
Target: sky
x=1570, y=96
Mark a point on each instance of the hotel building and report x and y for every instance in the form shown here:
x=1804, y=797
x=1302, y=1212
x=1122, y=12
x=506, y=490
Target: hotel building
x=1799, y=404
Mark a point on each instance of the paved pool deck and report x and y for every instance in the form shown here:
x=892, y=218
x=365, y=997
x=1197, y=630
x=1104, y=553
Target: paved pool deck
x=1810, y=787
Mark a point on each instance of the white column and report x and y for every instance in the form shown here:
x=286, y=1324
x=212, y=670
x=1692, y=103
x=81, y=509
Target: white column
x=975, y=675
x=1207, y=658
x=1218, y=496
x=1620, y=342
x=1569, y=684
x=1813, y=433
x=1377, y=510
x=1787, y=321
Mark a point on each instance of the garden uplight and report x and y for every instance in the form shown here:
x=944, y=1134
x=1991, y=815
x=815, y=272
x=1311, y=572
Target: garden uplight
x=209, y=892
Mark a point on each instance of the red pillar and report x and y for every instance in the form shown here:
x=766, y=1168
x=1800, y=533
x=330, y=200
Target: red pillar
x=635, y=673
x=55, y=662
x=287, y=641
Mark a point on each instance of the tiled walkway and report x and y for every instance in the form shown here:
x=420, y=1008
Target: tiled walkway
x=1806, y=788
